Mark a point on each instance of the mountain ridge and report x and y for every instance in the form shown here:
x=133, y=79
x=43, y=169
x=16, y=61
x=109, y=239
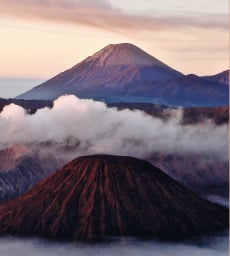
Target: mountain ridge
x=222, y=77
x=125, y=73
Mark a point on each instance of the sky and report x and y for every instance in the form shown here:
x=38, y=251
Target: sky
x=40, y=38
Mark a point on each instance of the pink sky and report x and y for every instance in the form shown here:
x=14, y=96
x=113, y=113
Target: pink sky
x=42, y=38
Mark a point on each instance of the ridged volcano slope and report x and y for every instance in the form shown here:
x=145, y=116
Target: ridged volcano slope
x=95, y=197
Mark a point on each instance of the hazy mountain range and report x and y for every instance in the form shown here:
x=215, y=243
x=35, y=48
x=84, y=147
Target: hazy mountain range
x=125, y=73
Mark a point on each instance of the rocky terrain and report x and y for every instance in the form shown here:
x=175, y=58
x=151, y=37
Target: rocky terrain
x=21, y=169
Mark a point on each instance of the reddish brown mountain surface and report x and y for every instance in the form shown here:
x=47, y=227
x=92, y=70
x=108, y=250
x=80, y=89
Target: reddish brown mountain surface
x=100, y=196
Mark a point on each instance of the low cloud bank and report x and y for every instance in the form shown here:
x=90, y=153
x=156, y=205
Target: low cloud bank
x=33, y=247
x=91, y=127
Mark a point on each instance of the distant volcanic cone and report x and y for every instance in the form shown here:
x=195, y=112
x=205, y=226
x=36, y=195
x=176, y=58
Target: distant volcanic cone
x=125, y=73
x=100, y=196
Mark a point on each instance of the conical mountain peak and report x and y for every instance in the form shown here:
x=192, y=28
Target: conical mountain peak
x=99, y=196
x=124, y=54
x=125, y=73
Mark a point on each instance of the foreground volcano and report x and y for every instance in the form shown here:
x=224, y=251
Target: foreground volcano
x=94, y=197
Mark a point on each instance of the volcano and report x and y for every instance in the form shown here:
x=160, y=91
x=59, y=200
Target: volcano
x=125, y=73
x=100, y=196
x=105, y=75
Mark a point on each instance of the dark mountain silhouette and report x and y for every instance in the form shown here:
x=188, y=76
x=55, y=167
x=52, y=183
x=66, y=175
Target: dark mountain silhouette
x=30, y=105
x=125, y=73
x=100, y=196
x=218, y=115
x=222, y=78
x=191, y=90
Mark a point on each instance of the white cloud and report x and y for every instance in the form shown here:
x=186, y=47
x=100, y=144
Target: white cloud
x=94, y=128
x=33, y=247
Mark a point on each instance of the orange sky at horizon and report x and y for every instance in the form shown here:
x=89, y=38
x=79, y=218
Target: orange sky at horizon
x=41, y=48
